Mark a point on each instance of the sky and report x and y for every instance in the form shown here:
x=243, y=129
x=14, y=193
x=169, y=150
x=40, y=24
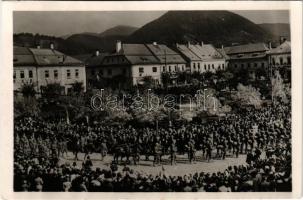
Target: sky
x=61, y=23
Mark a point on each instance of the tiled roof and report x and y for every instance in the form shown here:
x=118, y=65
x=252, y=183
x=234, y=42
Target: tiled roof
x=206, y=52
x=165, y=54
x=142, y=59
x=95, y=60
x=283, y=48
x=53, y=57
x=223, y=53
x=23, y=56
x=247, y=48
x=247, y=56
x=135, y=49
x=42, y=57
x=187, y=52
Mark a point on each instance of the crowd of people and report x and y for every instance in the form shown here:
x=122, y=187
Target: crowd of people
x=40, y=144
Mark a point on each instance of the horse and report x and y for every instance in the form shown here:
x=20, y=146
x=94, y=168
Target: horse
x=76, y=147
x=121, y=151
x=135, y=153
x=88, y=146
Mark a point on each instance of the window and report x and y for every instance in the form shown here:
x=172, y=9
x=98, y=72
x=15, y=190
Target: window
x=76, y=73
x=256, y=64
x=248, y=64
x=273, y=61
x=194, y=66
x=68, y=73
x=46, y=73
x=182, y=68
x=281, y=61
x=212, y=66
x=109, y=72
x=141, y=70
x=14, y=75
x=169, y=68
x=199, y=66
x=235, y=65
x=154, y=69
x=219, y=66
x=30, y=74
x=93, y=72
x=55, y=74
x=242, y=65
x=288, y=60
x=21, y=74
x=262, y=64
x=204, y=66
x=124, y=71
x=175, y=68
x=164, y=68
x=222, y=66
x=208, y=66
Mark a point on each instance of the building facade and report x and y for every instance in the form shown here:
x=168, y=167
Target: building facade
x=250, y=57
x=131, y=63
x=202, y=57
x=45, y=66
x=280, y=59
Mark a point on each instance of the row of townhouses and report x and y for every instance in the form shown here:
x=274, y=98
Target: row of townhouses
x=132, y=62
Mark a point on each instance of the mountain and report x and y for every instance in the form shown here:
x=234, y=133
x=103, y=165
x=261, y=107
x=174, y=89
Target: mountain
x=119, y=31
x=33, y=40
x=216, y=27
x=104, y=41
x=277, y=29
x=90, y=43
x=84, y=33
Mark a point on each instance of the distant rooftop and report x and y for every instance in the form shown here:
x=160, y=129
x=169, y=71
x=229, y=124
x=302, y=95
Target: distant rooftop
x=285, y=47
x=42, y=57
x=246, y=48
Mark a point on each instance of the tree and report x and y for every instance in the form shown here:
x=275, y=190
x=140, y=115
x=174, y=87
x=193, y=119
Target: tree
x=28, y=90
x=26, y=106
x=52, y=90
x=278, y=88
x=77, y=87
x=247, y=96
x=148, y=82
x=227, y=76
x=165, y=79
x=118, y=115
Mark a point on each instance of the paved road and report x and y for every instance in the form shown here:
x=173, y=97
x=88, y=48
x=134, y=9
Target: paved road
x=183, y=166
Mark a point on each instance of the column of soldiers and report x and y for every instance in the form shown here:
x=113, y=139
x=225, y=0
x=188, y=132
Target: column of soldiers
x=217, y=139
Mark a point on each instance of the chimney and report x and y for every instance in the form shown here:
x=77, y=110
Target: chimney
x=177, y=45
x=38, y=46
x=52, y=46
x=155, y=43
x=201, y=43
x=118, y=46
x=97, y=53
x=222, y=47
x=188, y=44
x=269, y=45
